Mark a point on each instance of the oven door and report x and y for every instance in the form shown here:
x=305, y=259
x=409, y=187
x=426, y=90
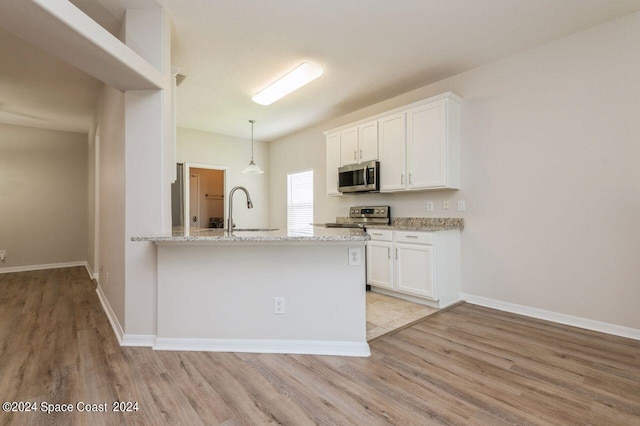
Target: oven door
x=359, y=177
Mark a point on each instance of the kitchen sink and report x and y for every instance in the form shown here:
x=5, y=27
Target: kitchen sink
x=254, y=229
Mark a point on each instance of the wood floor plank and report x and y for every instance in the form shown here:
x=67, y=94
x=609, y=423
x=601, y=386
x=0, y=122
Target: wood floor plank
x=424, y=402
x=469, y=365
x=517, y=347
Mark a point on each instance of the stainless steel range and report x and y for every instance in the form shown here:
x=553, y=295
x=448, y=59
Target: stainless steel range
x=361, y=216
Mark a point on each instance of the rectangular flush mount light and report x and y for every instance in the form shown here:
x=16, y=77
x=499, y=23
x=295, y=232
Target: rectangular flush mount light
x=297, y=78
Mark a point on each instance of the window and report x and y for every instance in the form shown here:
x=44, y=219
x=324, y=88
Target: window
x=300, y=202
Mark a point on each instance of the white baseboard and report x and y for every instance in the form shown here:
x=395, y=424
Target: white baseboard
x=92, y=275
x=588, y=324
x=26, y=268
x=310, y=347
x=148, y=340
x=123, y=339
x=111, y=316
x=407, y=297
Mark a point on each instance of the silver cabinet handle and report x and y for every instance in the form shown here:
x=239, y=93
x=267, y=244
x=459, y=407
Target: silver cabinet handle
x=401, y=179
x=411, y=236
x=409, y=178
x=376, y=233
x=389, y=252
x=360, y=153
x=354, y=155
x=396, y=253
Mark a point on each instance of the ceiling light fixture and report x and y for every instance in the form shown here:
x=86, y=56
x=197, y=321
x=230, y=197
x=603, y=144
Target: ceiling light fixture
x=297, y=78
x=252, y=168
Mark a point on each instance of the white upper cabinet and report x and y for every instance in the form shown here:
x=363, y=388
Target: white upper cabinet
x=348, y=146
x=368, y=141
x=333, y=162
x=359, y=143
x=392, y=135
x=418, y=145
x=433, y=160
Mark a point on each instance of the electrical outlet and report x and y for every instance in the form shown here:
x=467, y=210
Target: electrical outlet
x=445, y=204
x=461, y=205
x=278, y=305
x=355, y=255
x=3, y=255
x=429, y=206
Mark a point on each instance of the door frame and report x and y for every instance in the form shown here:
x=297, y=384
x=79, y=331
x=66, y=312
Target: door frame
x=197, y=215
x=186, y=172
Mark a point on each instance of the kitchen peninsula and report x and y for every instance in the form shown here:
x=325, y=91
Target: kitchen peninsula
x=219, y=291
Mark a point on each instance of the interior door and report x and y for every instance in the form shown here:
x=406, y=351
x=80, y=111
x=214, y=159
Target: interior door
x=194, y=201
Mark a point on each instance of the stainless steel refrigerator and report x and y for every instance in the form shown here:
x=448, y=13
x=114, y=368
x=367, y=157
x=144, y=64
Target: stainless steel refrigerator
x=177, y=197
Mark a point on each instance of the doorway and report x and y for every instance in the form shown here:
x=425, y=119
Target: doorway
x=204, y=195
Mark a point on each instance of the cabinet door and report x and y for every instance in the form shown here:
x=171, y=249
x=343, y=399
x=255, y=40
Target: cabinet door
x=380, y=264
x=414, y=266
x=349, y=146
x=391, y=142
x=426, y=146
x=333, y=162
x=368, y=141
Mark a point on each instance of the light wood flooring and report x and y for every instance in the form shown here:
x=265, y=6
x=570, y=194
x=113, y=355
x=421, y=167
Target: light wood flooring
x=466, y=365
x=386, y=314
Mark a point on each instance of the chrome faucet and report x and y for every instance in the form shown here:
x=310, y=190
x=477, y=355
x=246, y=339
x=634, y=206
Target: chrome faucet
x=230, y=224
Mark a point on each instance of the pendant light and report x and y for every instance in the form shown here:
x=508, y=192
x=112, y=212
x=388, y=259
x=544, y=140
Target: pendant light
x=252, y=168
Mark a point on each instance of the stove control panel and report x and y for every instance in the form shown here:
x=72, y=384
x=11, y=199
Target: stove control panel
x=371, y=212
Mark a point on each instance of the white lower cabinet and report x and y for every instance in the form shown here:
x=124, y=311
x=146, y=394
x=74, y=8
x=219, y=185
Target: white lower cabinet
x=379, y=264
x=418, y=266
x=414, y=265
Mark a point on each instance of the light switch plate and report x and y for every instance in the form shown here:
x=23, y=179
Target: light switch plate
x=429, y=206
x=461, y=205
x=445, y=204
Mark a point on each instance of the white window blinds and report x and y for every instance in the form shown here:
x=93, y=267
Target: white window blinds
x=300, y=202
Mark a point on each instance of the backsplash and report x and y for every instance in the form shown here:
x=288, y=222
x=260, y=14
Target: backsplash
x=418, y=223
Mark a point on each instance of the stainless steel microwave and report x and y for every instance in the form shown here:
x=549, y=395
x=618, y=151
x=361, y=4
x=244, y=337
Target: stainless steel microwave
x=363, y=177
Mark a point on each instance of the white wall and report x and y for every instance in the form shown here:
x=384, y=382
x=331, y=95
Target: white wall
x=550, y=149
x=111, y=193
x=195, y=146
x=43, y=197
x=92, y=201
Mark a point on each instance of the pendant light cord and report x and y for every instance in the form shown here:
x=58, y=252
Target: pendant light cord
x=252, y=121
x=252, y=168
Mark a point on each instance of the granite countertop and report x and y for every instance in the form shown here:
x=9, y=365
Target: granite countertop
x=218, y=235
x=427, y=224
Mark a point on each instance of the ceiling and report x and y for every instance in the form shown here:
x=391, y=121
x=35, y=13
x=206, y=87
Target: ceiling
x=38, y=90
x=370, y=50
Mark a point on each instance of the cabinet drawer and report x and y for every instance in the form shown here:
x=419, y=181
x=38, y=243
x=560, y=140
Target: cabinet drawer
x=414, y=237
x=380, y=234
